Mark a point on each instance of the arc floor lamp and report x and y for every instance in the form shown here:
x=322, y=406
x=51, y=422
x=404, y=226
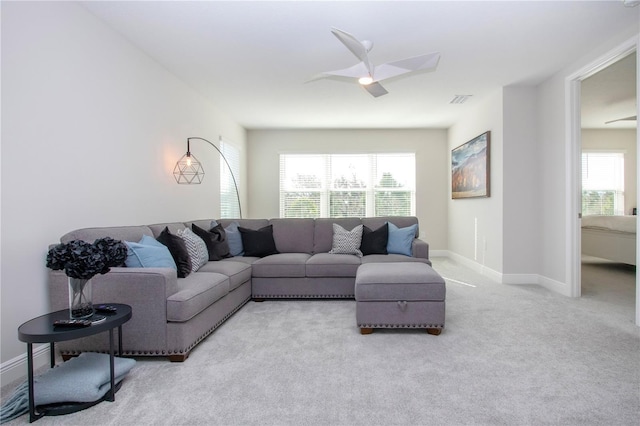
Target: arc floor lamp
x=189, y=170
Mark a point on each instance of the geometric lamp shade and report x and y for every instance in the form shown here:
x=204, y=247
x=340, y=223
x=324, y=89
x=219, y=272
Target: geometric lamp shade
x=188, y=170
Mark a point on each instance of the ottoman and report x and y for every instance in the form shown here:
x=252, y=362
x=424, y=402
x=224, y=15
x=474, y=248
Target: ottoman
x=399, y=295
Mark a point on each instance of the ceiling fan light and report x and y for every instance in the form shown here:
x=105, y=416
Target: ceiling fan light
x=365, y=81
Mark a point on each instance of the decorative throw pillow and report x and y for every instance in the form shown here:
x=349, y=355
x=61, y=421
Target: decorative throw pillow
x=215, y=240
x=196, y=247
x=84, y=378
x=346, y=242
x=178, y=250
x=258, y=243
x=233, y=238
x=375, y=242
x=148, y=253
x=400, y=239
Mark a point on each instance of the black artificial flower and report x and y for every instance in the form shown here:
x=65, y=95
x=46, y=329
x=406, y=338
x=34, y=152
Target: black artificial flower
x=83, y=260
x=114, y=251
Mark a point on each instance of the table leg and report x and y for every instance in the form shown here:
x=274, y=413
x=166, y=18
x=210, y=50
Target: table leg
x=120, y=340
x=52, y=354
x=112, y=391
x=32, y=405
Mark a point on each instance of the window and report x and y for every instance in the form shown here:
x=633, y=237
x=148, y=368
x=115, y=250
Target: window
x=229, y=207
x=602, y=183
x=347, y=185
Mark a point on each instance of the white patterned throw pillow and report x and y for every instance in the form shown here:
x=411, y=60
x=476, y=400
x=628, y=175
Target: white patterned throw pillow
x=346, y=242
x=196, y=248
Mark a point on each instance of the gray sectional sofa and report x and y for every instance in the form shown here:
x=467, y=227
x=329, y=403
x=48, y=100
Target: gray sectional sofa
x=171, y=315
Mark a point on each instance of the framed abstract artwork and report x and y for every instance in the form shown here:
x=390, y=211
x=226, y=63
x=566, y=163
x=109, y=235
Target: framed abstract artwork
x=470, y=168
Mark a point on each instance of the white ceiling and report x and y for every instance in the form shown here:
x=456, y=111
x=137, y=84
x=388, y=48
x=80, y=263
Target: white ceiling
x=251, y=59
x=609, y=95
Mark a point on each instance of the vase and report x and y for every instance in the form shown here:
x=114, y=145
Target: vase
x=80, y=298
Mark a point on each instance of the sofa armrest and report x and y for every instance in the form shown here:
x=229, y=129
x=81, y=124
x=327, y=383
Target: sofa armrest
x=420, y=248
x=144, y=289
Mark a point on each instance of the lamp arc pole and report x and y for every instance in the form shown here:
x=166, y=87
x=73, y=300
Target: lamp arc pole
x=189, y=170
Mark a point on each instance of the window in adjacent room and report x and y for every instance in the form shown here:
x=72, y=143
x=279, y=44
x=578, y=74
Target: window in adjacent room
x=229, y=207
x=347, y=185
x=602, y=183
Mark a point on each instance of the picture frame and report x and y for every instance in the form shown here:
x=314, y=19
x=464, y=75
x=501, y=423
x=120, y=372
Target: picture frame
x=470, y=168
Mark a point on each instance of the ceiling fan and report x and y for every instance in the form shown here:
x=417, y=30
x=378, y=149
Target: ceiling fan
x=368, y=75
x=632, y=118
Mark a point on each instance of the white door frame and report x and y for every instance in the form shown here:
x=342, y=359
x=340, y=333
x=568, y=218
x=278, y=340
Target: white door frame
x=573, y=149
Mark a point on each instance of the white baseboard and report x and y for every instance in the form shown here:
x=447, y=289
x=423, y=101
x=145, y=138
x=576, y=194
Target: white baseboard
x=477, y=267
x=515, y=279
x=520, y=279
x=555, y=286
x=16, y=368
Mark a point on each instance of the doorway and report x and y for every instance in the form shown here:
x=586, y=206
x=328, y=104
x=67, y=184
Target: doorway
x=609, y=180
x=574, y=149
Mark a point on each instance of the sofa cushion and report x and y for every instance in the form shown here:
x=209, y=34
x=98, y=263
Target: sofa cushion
x=196, y=247
x=293, y=235
x=346, y=242
x=148, y=253
x=323, y=232
x=245, y=223
x=243, y=259
x=281, y=265
x=233, y=235
x=258, y=243
x=174, y=227
x=196, y=292
x=178, y=250
x=332, y=265
x=216, y=241
x=400, y=239
x=238, y=272
x=399, y=221
x=234, y=238
x=123, y=233
x=375, y=242
x=392, y=258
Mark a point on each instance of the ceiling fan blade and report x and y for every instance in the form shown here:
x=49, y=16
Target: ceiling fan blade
x=375, y=89
x=355, y=46
x=404, y=66
x=356, y=71
x=632, y=118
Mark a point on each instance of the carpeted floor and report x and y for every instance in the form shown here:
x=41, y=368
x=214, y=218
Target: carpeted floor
x=509, y=355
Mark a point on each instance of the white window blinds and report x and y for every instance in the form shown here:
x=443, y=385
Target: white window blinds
x=229, y=201
x=602, y=183
x=347, y=185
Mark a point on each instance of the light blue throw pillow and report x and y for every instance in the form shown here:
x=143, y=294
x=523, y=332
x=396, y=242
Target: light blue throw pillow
x=234, y=238
x=400, y=239
x=150, y=241
x=148, y=253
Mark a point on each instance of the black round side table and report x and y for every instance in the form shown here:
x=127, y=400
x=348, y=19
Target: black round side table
x=42, y=330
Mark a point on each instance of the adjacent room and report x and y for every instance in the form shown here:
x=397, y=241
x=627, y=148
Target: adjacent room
x=319, y=212
x=609, y=183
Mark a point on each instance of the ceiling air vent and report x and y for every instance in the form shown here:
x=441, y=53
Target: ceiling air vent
x=460, y=99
